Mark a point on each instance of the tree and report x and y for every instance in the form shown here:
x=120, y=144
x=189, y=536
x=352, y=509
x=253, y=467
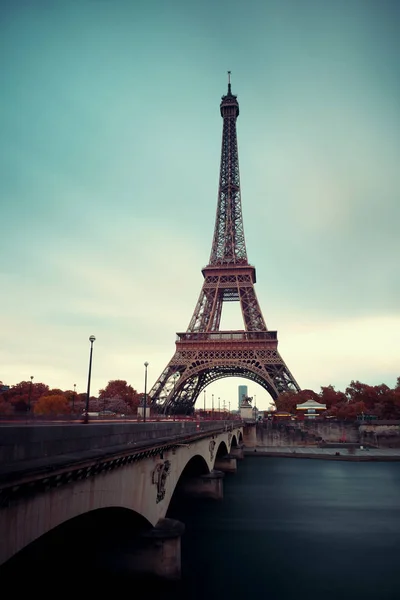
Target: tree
x=358, y=391
x=52, y=405
x=6, y=408
x=286, y=402
x=119, y=390
x=56, y=392
x=24, y=393
x=329, y=396
x=116, y=405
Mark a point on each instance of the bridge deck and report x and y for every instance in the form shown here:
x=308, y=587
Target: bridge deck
x=22, y=471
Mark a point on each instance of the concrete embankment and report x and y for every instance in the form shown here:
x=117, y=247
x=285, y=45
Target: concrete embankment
x=348, y=453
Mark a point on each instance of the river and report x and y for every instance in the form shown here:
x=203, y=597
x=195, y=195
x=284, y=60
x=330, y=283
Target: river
x=296, y=528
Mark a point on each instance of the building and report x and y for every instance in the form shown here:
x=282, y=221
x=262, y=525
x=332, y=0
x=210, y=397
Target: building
x=309, y=409
x=242, y=393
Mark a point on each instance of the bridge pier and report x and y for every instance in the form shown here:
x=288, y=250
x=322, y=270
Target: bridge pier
x=159, y=553
x=226, y=464
x=205, y=486
x=237, y=452
x=250, y=436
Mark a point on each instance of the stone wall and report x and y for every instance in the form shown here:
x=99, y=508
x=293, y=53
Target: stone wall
x=284, y=435
x=382, y=436
x=306, y=433
x=332, y=431
x=312, y=433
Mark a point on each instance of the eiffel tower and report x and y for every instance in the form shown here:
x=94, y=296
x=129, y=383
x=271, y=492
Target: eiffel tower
x=204, y=353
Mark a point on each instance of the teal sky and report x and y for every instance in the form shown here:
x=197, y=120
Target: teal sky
x=110, y=140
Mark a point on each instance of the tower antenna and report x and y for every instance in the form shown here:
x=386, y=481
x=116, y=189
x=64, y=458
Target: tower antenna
x=229, y=82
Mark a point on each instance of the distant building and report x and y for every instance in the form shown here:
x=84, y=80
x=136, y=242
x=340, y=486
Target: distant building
x=243, y=393
x=310, y=409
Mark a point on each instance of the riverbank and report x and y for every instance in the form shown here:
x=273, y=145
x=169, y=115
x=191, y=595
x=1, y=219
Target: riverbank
x=359, y=454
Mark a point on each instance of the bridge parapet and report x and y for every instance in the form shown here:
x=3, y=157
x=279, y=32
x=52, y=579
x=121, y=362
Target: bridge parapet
x=29, y=442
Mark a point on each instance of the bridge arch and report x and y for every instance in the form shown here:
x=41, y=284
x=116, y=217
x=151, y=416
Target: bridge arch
x=197, y=465
x=86, y=539
x=236, y=440
x=222, y=450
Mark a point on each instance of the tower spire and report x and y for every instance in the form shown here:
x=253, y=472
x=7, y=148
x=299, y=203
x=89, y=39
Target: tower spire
x=228, y=245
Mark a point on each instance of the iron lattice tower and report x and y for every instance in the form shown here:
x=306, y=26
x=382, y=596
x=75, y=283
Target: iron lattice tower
x=204, y=353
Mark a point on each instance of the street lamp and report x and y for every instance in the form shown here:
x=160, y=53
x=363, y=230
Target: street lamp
x=172, y=402
x=30, y=394
x=86, y=418
x=212, y=406
x=146, y=364
x=219, y=408
x=204, y=407
x=73, y=398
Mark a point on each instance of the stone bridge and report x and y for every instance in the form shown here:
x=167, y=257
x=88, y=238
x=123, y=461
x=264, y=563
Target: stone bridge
x=52, y=475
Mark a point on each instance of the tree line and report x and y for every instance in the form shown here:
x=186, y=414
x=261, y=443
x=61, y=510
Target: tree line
x=38, y=399
x=358, y=400
x=119, y=397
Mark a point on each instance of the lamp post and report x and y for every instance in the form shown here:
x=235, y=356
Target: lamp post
x=86, y=418
x=146, y=364
x=30, y=394
x=73, y=398
x=212, y=406
x=172, y=403
x=204, y=404
x=219, y=408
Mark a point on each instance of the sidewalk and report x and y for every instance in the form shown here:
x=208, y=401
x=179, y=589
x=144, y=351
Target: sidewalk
x=336, y=453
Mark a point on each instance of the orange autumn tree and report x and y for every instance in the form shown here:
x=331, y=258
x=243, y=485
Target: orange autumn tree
x=52, y=405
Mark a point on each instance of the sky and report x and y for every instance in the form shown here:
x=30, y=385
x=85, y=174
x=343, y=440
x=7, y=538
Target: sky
x=110, y=139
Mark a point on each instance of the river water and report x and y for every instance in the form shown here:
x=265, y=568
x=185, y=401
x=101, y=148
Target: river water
x=296, y=528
